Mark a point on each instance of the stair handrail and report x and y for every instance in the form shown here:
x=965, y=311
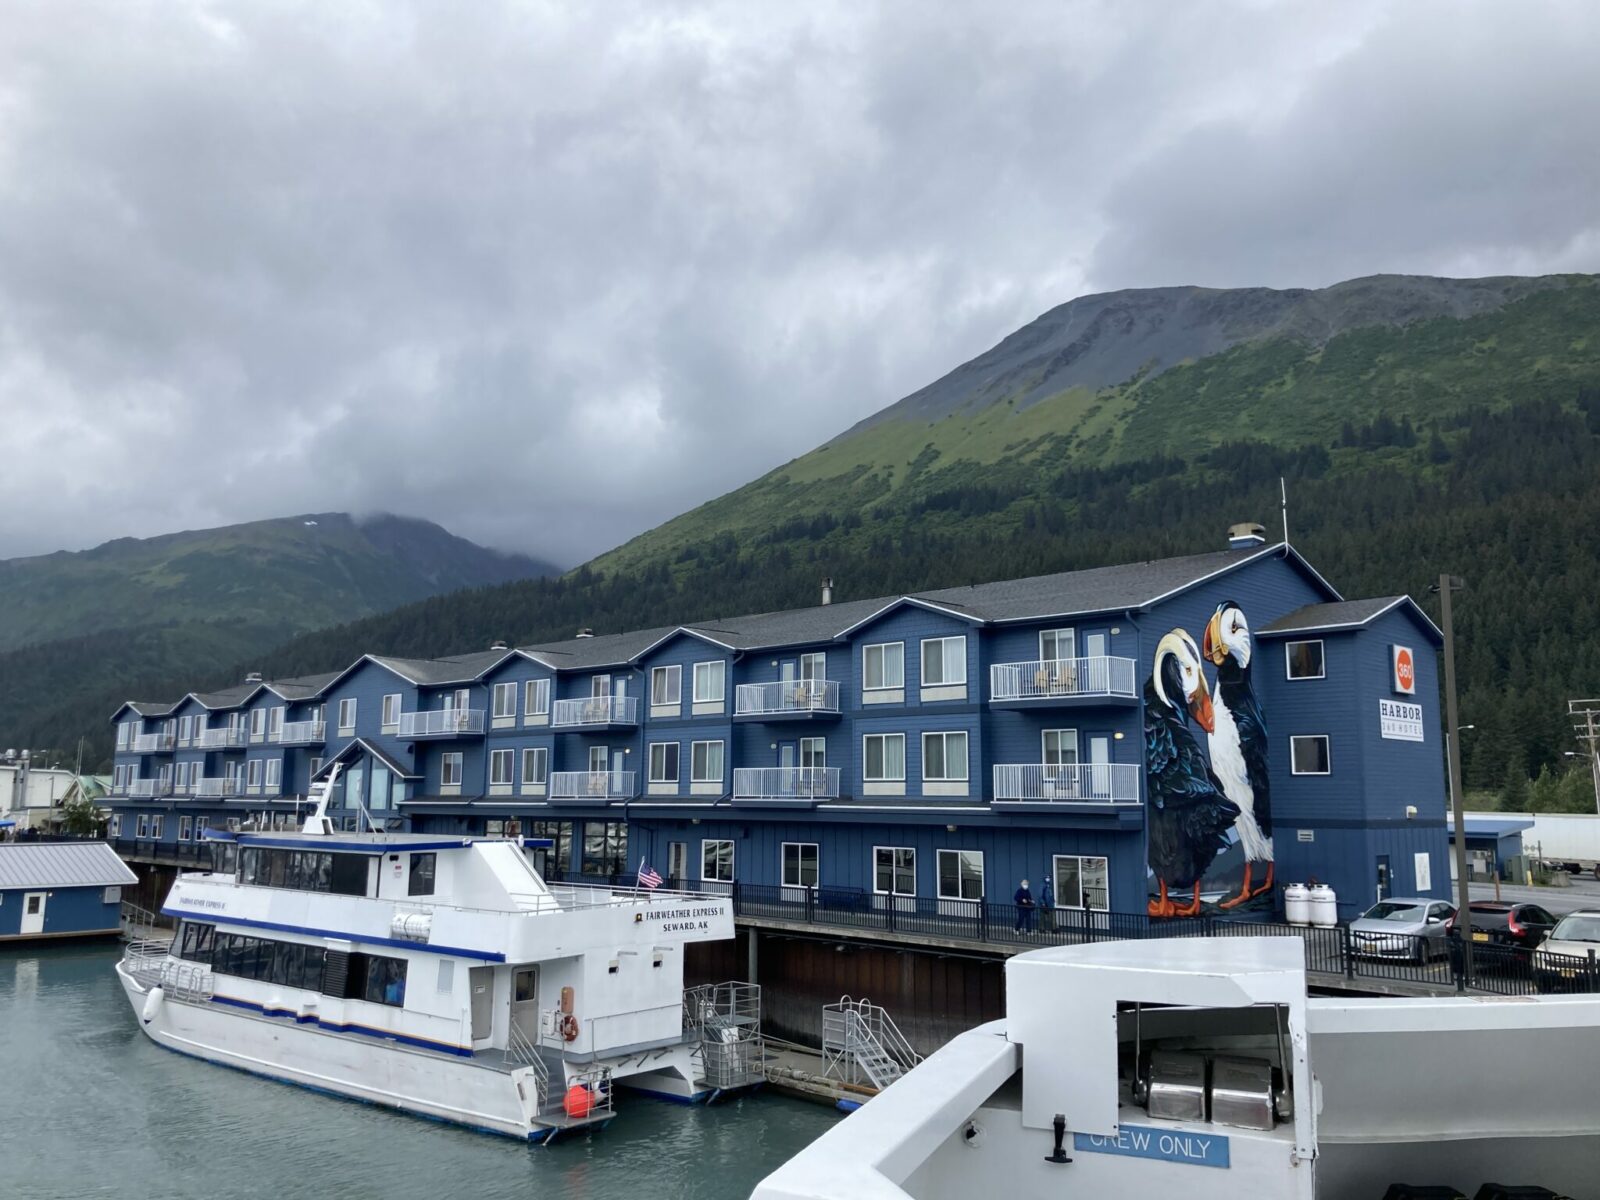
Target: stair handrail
x=520, y=1049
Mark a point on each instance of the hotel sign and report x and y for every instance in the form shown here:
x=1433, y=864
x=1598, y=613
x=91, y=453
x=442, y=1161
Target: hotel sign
x=1405, y=670
x=1400, y=721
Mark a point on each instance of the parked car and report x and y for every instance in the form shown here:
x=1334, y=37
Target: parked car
x=1502, y=923
x=1574, y=940
x=1406, y=927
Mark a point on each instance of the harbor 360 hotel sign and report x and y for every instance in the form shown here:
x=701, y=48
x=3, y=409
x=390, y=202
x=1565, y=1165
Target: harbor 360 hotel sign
x=1399, y=720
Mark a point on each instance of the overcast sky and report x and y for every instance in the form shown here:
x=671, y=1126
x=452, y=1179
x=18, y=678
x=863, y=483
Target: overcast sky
x=549, y=274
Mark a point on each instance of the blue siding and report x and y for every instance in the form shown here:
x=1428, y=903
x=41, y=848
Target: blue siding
x=67, y=911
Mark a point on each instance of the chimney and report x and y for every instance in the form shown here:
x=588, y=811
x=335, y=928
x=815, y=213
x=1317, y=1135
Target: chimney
x=1246, y=536
x=827, y=590
x=583, y=633
x=253, y=677
x=497, y=644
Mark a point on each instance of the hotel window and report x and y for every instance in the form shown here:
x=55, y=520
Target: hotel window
x=275, y=724
x=708, y=682
x=1060, y=751
x=883, y=665
x=347, y=713
x=450, y=769
x=814, y=666
x=1057, y=644
x=183, y=729
x=1082, y=882
x=663, y=762
x=716, y=862
x=1308, y=755
x=666, y=685
x=1303, y=660
x=799, y=864
x=124, y=735
x=156, y=822
x=605, y=847
x=116, y=825
x=253, y=772
x=316, y=765
x=236, y=725
x=274, y=772
x=419, y=881
x=535, y=766
x=501, y=764
x=961, y=875
x=705, y=762
x=536, y=697
x=505, y=699
x=200, y=824
x=390, y=716
x=894, y=870
x=185, y=829
x=258, y=722
x=944, y=661
x=200, y=722
x=944, y=757
x=883, y=757
x=813, y=753
x=142, y=828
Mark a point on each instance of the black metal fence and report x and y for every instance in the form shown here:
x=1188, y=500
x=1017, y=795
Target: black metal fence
x=1434, y=962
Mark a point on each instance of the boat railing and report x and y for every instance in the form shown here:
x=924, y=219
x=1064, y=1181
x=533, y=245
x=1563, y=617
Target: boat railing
x=152, y=965
x=595, y=1037
x=521, y=1052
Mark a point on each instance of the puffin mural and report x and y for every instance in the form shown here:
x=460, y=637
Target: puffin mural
x=1238, y=743
x=1188, y=815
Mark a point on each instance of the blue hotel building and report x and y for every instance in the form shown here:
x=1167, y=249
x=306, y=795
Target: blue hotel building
x=940, y=745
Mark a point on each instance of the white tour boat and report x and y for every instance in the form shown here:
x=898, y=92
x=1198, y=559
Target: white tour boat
x=1200, y=1068
x=442, y=976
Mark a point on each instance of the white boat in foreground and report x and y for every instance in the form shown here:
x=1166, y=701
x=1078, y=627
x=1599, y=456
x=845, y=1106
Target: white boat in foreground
x=442, y=976
x=1199, y=1067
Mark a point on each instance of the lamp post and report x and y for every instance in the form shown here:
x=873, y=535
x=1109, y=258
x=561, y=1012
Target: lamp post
x=1446, y=585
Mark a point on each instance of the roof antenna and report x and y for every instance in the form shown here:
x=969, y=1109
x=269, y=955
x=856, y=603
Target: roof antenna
x=1283, y=493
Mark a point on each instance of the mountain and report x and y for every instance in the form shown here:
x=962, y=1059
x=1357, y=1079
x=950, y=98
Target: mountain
x=1421, y=425
x=85, y=629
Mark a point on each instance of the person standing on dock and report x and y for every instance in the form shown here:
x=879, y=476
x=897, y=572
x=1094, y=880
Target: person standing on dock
x=1025, y=906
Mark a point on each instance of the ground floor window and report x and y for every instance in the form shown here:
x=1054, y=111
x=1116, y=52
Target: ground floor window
x=799, y=863
x=535, y=766
x=185, y=828
x=605, y=847
x=961, y=875
x=894, y=870
x=1309, y=755
x=116, y=825
x=716, y=861
x=560, y=835
x=156, y=823
x=500, y=766
x=1082, y=881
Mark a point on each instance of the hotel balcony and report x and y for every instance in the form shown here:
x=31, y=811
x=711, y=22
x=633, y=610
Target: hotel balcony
x=305, y=733
x=149, y=789
x=1063, y=681
x=595, y=713
x=222, y=739
x=225, y=786
x=153, y=743
x=787, y=700
x=439, y=722
x=590, y=787
x=785, y=787
x=1051, y=786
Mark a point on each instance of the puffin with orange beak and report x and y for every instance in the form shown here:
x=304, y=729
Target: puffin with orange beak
x=1238, y=743
x=1188, y=816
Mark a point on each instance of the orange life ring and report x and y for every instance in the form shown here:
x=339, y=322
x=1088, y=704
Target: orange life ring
x=569, y=1027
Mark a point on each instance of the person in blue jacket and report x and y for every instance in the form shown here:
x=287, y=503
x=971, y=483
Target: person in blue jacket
x=1023, y=899
x=1047, y=905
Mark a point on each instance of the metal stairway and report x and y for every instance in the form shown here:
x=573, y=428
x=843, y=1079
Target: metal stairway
x=861, y=1044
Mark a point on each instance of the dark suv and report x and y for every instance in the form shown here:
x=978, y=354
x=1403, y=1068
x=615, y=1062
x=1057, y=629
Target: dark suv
x=1502, y=923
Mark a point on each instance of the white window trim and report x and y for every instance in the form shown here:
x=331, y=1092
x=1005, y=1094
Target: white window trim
x=883, y=687
x=253, y=770
x=116, y=825
x=507, y=756
x=900, y=778
x=922, y=661
x=820, y=761
x=275, y=720
x=723, y=754
x=1306, y=737
x=1071, y=633
x=721, y=677
x=273, y=775
x=1077, y=747
x=157, y=827
x=186, y=829
x=938, y=875
x=665, y=672
x=706, y=843
x=388, y=720
x=1289, y=674
x=966, y=766
x=258, y=722
x=532, y=754
x=912, y=850
x=450, y=758
x=653, y=777
x=783, y=864
x=504, y=689
x=536, y=698
x=351, y=723
x=1055, y=875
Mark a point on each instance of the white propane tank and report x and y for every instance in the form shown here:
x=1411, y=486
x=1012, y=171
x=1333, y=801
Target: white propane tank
x=1297, y=904
x=1324, y=908
x=152, y=1005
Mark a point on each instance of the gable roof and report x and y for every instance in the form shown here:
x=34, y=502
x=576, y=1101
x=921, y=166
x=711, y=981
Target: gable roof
x=62, y=864
x=1346, y=614
x=357, y=746
x=435, y=672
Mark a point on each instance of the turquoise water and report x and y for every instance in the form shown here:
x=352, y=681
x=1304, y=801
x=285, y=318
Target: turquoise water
x=90, y=1107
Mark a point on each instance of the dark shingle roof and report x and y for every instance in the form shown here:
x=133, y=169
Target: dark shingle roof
x=429, y=672
x=151, y=708
x=1338, y=615
x=228, y=697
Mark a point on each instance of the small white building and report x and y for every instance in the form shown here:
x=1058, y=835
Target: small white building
x=29, y=795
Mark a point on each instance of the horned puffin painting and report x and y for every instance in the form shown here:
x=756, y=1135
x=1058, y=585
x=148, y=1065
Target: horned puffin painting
x=1238, y=743
x=1188, y=813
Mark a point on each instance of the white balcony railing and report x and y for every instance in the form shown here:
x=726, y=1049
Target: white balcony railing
x=591, y=785
x=151, y=743
x=786, y=696
x=298, y=733
x=441, y=722
x=220, y=739
x=786, y=783
x=149, y=788
x=224, y=786
x=1062, y=678
x=596, y=710
x=1041, y=783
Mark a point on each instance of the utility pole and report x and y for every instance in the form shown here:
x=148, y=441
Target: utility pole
x=1586, y=724
x=1446, y=584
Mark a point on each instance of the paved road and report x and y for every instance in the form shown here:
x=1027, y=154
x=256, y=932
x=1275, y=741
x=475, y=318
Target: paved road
x=1584, y=893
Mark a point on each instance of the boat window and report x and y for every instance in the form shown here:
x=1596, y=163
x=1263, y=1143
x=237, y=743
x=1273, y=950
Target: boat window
x=420, y=880
x=348, y=875
x=376, y=979
x=304, y=870
x=194, y=941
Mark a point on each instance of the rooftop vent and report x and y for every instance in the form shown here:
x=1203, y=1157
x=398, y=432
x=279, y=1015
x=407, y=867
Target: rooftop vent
x=827, y=590
x=253, y=677
x=497, y=645
x=1245, y=535
x=585, y=633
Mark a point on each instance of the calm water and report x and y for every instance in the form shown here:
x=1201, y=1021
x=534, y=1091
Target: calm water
x=90, y=1107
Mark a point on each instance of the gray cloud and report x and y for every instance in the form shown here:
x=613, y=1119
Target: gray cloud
x=549, y=274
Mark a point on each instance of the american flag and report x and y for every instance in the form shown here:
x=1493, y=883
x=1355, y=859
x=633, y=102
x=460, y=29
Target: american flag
x=647, y=877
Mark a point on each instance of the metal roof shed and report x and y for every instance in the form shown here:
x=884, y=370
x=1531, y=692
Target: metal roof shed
x=60, y=890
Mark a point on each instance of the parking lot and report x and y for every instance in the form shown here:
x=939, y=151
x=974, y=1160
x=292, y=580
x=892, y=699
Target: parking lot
x=1584, y=892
